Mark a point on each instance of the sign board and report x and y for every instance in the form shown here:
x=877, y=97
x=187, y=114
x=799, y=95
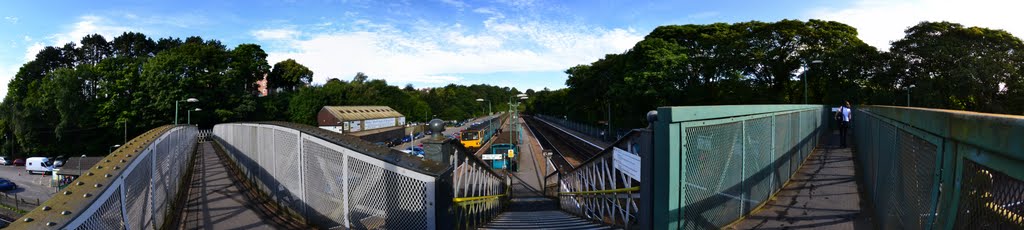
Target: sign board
x=626, y=162
x=511, y=153
x=490, y=156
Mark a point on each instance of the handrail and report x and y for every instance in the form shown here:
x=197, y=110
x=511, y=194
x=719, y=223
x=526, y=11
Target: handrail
x=104, y=184
x=981, y=152
x=458, y=200
x=618, y=190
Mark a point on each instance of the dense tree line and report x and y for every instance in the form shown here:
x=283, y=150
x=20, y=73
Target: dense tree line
x=944, y=65
x=83, y=98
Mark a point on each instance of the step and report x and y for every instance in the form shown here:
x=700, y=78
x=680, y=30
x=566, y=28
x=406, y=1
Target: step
x=551, y=219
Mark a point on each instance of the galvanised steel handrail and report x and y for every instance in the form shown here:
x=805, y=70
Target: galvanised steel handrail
x=599, y=189
x=131, y=187
x=942, y=169
x=480, y=194
x=715, y=164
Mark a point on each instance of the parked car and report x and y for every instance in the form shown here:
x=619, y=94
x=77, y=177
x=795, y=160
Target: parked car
x=6, y=160
x=59, y=161
x=420, y=135
x=414, y=151
x=6, y=185
x=19, y=162
x=395, y=142
x=406, y=139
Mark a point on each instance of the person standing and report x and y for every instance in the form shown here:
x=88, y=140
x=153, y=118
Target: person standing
x=844, y=116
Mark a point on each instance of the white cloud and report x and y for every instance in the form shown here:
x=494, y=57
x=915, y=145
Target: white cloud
x=11, y=19
x=456, y=3
x=437, y=53
x=275, y=34
x=87, y=25
x=32, y=50
x=880, y=22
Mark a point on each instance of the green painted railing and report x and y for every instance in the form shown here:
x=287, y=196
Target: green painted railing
x=941, y=169
x=715, y=164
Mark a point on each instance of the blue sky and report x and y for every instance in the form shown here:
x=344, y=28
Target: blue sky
x=516, y=43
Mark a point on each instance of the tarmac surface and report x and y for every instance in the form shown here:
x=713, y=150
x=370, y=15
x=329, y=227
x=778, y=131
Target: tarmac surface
x=216, y=200
x=822, y=195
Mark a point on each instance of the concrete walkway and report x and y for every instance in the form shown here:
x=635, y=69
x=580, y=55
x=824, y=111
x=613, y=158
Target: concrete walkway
x=822, y=195
x=216, y=201
x=528, y=180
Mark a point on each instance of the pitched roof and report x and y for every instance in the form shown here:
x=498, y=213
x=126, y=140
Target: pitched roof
x=356, y=113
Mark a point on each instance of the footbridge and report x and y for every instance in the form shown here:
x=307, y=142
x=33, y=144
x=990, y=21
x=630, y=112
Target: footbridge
x=694, y=167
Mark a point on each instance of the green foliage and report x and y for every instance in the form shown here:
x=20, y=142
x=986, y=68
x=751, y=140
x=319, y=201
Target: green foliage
x=952, y=66
x=73, y=100
x=287, y=75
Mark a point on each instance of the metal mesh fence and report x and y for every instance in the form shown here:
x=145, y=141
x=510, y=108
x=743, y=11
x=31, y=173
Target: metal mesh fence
x=144, y=188
x=734, y=162
x=908, y=172
x=330, y=185
x=107, y=216
x=990, y=199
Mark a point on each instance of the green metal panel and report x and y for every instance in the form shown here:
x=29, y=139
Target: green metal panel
x=719, y=162
x=933, y=179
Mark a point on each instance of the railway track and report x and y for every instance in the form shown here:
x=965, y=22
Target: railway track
x=570, y=151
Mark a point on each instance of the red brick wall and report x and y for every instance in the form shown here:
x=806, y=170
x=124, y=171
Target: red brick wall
x=324, y=118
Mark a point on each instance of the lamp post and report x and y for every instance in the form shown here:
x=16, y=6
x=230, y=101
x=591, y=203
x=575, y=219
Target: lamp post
x=908, y=94
x=488, y=104
x=190, y=100
x=805, y=79
x=190, y=114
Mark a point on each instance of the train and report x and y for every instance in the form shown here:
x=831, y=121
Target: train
x=478, y=134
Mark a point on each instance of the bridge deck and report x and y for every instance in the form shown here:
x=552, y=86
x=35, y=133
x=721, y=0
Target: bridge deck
x=822, y=195
x=216, y=200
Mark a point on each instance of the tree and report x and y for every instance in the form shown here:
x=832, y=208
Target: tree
x=288, y=75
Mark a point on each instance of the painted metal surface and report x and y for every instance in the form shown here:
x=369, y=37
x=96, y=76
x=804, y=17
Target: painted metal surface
x=712, y=164
x=942, y=169
x=130, y=188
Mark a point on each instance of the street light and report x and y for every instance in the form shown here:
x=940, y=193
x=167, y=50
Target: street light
x=190, y=114
x=908, y=94
x=488, y=105
x=805, y=78
x=190, y=100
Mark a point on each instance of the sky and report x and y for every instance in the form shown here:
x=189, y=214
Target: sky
x=527, y=44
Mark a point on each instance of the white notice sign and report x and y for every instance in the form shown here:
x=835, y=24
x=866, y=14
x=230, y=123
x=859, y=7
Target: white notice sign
x=626, y=162
x=490, y=156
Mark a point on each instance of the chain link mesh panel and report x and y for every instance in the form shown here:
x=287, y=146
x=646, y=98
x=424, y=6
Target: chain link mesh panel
x=990, y=199
x=108, y=216
x=324, y=175
x=735, y=162
x=757, y=170
x=915, y=180
x=137, y=194
x=714, y=167
x=287, y=152
x=330, y=185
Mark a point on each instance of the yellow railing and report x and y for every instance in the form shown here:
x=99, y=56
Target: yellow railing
x=618, y=190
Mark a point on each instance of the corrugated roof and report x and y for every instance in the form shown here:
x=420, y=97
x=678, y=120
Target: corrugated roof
x=357, y=113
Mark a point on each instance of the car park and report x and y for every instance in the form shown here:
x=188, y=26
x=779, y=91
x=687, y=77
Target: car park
x=418, y=151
